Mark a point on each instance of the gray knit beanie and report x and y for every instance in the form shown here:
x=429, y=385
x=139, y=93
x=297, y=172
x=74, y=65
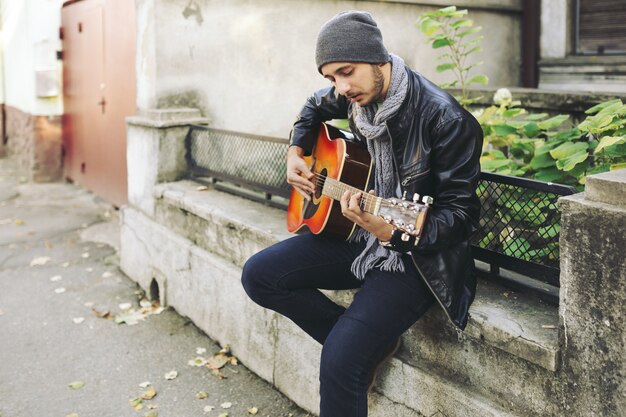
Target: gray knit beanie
x=350, y=37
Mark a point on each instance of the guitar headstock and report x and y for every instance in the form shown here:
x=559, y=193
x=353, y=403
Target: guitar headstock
x=407, y=216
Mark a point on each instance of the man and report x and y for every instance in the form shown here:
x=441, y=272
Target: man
x=421, y=141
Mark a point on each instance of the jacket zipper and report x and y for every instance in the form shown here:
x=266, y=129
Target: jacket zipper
x=419, y=271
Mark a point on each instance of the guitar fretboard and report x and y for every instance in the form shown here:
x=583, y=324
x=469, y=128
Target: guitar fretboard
x=335, y=189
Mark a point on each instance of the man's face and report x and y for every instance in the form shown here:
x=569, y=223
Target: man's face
x=361, y=83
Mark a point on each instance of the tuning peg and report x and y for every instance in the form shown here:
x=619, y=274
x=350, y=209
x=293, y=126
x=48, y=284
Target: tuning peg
x=416, y=197
x=404, y=195
x=393, y=201
x=405, y=237
x=427, y=200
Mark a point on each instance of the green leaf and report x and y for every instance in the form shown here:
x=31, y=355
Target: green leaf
x=602, y=106
x=480, y=79
x=514, y=113
x=617, y=150
x=568, y=149
x=620, y=165
x=441, y=42
x=447, y=10
x=470, y=31
x=550, y=175
x=542, y=161
x=445, y=67
x=461, y=23
x=536, y=116
x=516, y=247
x=471, y=51
x=608, y=141
x=553, y=122
x=493, y=164
x=568, y=164
x=429, y=26
x=504, y=130
x=531, y=129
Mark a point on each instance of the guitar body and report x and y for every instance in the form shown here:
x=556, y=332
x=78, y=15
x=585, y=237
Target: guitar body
x=336, y=158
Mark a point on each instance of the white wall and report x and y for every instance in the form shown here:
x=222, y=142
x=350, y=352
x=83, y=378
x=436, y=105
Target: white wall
x=30, y=39
x=249, y=65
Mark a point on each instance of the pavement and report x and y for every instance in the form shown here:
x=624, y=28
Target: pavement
x=79, y=339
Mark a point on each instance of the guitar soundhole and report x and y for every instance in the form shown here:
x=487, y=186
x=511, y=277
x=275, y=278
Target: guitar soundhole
x=319, y=183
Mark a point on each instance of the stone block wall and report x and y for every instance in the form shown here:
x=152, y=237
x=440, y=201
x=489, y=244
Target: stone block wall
x=35, y=143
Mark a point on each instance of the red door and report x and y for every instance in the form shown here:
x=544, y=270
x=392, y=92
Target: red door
x=99, y=92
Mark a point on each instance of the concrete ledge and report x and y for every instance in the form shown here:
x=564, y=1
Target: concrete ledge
x=194, y=248
x=608, y=188
x=514, y=326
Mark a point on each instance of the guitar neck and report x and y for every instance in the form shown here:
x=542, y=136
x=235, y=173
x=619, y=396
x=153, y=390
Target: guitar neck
x=334, y=189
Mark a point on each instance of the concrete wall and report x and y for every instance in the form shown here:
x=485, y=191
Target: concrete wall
x=31, y=86
x=250, y=65
x=30, y=39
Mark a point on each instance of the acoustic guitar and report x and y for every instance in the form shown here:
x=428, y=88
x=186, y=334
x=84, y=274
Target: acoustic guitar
x=339, y=165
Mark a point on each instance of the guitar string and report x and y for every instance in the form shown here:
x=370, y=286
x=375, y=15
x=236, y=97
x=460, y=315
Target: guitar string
x=366, y=198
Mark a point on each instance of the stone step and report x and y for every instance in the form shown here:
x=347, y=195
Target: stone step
x=508, y=334
x=608, y=187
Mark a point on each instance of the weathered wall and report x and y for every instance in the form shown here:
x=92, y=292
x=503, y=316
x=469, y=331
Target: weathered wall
x=250, y=65
x=34, y=142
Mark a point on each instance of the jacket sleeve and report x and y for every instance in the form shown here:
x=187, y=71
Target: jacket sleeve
x=323, y=105
x=455, y=171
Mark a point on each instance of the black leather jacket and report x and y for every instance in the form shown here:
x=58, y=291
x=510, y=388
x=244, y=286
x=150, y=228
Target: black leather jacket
x=437, y=146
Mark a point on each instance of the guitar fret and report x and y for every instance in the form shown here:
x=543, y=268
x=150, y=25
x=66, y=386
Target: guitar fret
x=334, y=189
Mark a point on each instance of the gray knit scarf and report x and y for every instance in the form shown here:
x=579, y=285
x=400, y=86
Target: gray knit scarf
x=370, y=122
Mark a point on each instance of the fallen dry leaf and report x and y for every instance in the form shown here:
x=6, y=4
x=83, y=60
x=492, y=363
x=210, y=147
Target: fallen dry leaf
x=217, y=361
x=226, y=405
x=201, y=395
x=42, y=260
x=171, y=375
x=150, y=394
x=102, y=314
x=76, y=384
x=202, y=188
x=78, y=320
x=208, y=408
x=56, y=278
x=136, y=403
x=197, y=361
x=130, y=317
x=59, y=290
x=200, y=351
x=125, y=306
x=151, y=413
x=145, y=384
x=253, y=411
x=19, y=222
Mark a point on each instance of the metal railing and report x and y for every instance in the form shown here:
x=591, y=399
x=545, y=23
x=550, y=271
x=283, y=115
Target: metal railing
x=519, y=221
x=519, y=229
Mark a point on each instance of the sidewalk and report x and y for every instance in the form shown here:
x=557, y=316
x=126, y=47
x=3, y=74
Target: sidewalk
x=61, y=292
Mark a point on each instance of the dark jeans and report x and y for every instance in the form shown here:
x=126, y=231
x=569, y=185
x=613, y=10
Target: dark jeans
x=285, y=278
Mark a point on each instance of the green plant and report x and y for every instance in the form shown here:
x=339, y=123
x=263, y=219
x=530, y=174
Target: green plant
x=552, y=149
x=449, y=27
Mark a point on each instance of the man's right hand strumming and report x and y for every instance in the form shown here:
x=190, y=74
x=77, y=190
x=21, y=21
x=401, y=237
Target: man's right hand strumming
x=298, y=173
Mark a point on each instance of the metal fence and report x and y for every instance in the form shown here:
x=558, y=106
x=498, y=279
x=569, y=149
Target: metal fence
x=519, y=227
x=519, y=223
